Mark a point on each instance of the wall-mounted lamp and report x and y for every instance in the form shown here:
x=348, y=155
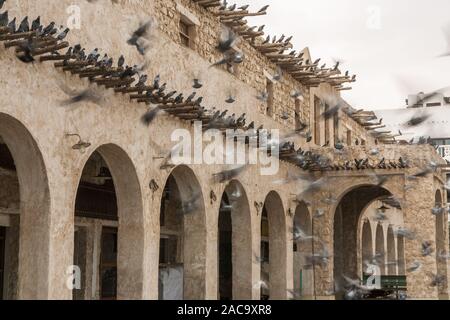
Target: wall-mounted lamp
x=383, y=208
x=197, y=84
x=80, y=145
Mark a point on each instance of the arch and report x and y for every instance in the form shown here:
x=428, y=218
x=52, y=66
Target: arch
x=277, y=246
x=185, y=207
x=130, y=214
x=366, y=244
x=35, y=206
x=380, y=251
x=347, y=218
x=392, y=261
x=235, y=210
x=303, y=274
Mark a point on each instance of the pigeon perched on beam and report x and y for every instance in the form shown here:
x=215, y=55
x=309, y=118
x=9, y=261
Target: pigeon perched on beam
x=24, y=26
x=36, y=24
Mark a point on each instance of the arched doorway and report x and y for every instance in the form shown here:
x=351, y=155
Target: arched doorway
x=24, y=214
x=303, y=247
x=109, y=229
x=235, y=245
x=392, y=261
x=182, y=238
x=273, y=248
x=347, y=220
x=366, y=245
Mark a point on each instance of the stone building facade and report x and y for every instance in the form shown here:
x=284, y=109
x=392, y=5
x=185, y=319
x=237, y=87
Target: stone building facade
x=101, y=201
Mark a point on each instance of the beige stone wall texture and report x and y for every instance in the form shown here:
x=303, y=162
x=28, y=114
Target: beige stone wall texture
x=34, y=126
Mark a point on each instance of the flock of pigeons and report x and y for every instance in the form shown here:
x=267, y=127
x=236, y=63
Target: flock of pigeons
x=34, y=39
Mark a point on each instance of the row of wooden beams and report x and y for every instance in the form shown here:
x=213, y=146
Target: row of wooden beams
x=274, y=49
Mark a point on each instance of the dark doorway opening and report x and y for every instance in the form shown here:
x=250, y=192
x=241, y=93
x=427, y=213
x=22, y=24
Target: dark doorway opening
x=96, y=205
x=345, y=243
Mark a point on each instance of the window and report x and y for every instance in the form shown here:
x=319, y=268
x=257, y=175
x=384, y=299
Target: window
x=363, y=142
x=336, y=128
x=168, y=250
x=187, y=26
x=349, y=137
x=269, y=89
x=186, y=33
x=298, y=120
x=327, y=126
x=434, y=104
x=317, y=112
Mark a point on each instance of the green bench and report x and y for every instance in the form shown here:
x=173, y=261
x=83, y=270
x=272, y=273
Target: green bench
x=389, y=285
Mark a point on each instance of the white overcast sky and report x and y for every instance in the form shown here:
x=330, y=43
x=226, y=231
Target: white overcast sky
x=393, y=52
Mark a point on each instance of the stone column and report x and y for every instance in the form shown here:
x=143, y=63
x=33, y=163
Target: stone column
x=419, y=200
x=211, y=274
x=278, y=248
x=323, y=276
x=200, y=253
x=242, y=251
x=256, y=251
x=151, y=245
x=46, y=247
x=289, y=259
